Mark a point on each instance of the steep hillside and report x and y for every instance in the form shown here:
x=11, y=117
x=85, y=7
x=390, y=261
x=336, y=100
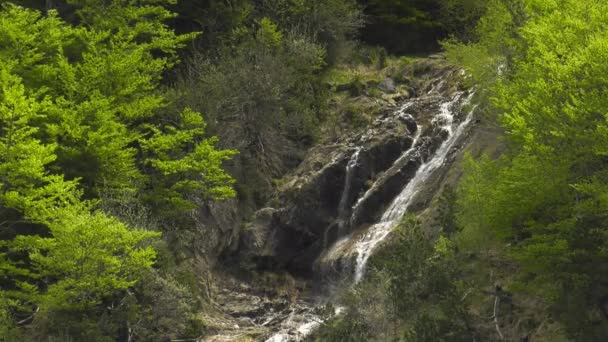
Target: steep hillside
x=308, y=238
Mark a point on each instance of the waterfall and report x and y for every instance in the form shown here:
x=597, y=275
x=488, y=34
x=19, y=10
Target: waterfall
x=378, y=232
x=343, y=209
x=435, y=124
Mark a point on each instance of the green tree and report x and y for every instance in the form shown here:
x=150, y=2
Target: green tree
x=262, y=94
x=333, y=24
x=62, y=253
x=82, y=114
x=103, y=78
x=546, y=196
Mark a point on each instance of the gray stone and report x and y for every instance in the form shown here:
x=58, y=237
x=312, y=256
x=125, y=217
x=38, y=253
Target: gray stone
x=387, y=85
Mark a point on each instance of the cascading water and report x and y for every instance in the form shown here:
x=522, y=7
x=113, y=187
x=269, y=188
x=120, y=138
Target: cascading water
x=378, y=232
x=401, y=114
x=343, y=209
x=346, y=193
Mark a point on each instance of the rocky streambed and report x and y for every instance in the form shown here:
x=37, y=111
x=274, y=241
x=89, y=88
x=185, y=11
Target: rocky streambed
x=249, y=312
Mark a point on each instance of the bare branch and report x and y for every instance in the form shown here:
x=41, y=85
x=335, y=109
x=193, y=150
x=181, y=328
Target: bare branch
x=28, y=318
x=496, y=303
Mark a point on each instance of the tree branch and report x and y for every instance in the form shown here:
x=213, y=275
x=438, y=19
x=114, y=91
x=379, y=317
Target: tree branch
x=496, y=303
x=28, y=318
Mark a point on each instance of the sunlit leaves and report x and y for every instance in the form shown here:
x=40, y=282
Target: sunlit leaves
x=549, y=191
x=183, y=165
x=90, y=254
x=81, y=111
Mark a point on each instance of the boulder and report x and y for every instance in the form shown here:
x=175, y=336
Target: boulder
x=387, y=85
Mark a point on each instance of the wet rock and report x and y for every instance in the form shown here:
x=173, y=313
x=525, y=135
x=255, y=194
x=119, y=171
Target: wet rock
x=369, y=208
x=325, y=215
x=249, y=315
x=409, y=122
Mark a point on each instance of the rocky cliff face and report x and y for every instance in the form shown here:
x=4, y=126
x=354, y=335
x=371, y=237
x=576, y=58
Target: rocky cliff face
x=316, y=199
x=343, y=187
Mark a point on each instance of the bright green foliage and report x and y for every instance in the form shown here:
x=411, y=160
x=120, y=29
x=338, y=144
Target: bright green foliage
x=184, y=165
x=493, y=44
x=475, y=212
x=268, y=34
x=77, y=256
x=23, y=157
x=102, y=80
x=547, y=196
x=82, y=115
x=92, y=255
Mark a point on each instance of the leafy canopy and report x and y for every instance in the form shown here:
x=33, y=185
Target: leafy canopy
x=82, y=115
x=547, y=195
